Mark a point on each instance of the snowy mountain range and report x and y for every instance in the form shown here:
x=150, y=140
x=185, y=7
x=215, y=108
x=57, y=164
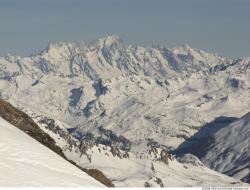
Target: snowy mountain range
x=107, y=98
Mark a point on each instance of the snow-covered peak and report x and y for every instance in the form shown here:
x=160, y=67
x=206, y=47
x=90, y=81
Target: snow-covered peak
x=182, y=50
x=107, y=42
x=194, y=53
x=186, y=49
x=110, y=40
x=57, y=46
x=56, y=50
x=108, y=57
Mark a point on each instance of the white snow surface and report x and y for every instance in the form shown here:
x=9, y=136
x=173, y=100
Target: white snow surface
x=135, y=171
x=24, y=162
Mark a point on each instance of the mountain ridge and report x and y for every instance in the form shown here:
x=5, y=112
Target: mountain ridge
x=226, y=148
x=130, y=97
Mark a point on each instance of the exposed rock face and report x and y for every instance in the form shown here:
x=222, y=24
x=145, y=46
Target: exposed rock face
x=164, y=156
x=159, y=154
x=22, y=121
x=154, y=181
x=159, y=182
x=50, y=124
x=98, y=175
x=117, y=152
x=147, y=184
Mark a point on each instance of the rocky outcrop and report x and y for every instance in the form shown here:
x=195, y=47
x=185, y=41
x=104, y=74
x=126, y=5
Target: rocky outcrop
x=22, y=121
x=98, y=175
x=117, y=152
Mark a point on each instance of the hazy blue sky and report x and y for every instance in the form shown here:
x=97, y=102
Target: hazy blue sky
x=221, y=26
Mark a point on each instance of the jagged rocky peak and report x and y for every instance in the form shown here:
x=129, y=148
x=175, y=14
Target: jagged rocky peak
x=108, y=56
x=57, y=47
x=11, y=58
x=110, y=40
x=182, y=50
x=186, y=49
x=185, y=58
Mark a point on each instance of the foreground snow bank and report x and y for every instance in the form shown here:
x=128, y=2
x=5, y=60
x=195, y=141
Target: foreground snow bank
x=25, y=162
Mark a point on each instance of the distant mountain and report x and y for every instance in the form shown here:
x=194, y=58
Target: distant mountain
x=130, y=97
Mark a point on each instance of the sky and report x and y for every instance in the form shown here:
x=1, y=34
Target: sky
x=218, y=26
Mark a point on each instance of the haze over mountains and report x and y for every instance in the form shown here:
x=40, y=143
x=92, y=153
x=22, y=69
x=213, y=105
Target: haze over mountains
x=108, y=104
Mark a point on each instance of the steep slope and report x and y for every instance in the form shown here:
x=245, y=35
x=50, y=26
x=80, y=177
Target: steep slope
x=26, y=163
x=22, y=121
x=227, y=150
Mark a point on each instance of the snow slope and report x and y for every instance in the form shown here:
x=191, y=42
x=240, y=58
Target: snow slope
x=227, y=150
x=24, y=162
x=130, y=170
